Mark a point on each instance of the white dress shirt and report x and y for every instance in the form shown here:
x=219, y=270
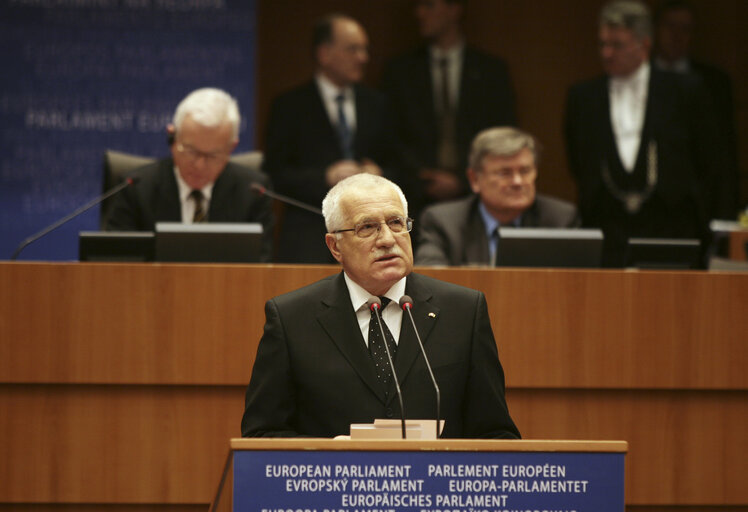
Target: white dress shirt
x=392, y=314
x=329, y=93
x=454, y=58
x=188, y=205
x=628, y=106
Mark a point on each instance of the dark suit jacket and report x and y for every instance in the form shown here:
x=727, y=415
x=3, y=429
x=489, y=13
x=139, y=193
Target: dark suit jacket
x=313, y=375
x=486, y=99
x=690, y=156
x=725, y=202
x=301, y=143
x=453, y=233
x=155, y=198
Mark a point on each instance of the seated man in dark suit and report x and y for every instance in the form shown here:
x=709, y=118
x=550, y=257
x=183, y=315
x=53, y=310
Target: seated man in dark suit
x=502, y=173
x=198, y=183
x=315, y=370
x=325, y=130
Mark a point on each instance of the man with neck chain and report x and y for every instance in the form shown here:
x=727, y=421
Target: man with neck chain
x=643, y=144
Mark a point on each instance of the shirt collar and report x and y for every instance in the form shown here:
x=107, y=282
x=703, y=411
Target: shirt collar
x=185, y=190
x=491, y=223
x=359, y=296
x=329, y=90
x=453, y=53
x=638, y=79
x=682, y=65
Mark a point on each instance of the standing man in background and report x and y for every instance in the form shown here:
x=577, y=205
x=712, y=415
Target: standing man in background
x=443, y=94
x=643, y=144
x=675, y=22
x=324, y=131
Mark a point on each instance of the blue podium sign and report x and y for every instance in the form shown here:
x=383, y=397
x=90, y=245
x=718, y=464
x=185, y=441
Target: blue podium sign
x=438, y=476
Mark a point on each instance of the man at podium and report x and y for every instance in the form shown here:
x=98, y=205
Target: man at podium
x=321, y=363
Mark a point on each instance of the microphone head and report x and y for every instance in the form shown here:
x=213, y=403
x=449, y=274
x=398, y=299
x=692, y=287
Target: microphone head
x=257, y=188
x=406, y=302
x=374, y=303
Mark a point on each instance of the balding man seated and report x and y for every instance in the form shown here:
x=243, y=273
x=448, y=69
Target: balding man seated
x=502, y=173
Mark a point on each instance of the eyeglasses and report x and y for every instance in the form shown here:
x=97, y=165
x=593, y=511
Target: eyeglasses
x=508, y=173
x=368, y=228
x=194, y=153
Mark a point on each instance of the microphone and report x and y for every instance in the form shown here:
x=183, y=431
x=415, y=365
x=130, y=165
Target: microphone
x=283, y=199
x=106, y=195
x=375, y=305
x=406, y=303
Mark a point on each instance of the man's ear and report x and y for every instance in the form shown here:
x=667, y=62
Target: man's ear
x=332, y=243
x=472, y=177
x=171, y=134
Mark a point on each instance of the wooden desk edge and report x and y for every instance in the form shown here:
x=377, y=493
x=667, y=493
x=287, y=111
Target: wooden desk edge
x=447, y=445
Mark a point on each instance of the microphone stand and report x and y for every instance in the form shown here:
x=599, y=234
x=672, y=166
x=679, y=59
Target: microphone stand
x=375, y=304
x=284, y=199
x=407, y=303
x=36, y=236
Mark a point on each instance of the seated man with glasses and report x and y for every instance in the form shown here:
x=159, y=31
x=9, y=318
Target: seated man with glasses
x=503, y=169
x=198, y=183
x=318, y=366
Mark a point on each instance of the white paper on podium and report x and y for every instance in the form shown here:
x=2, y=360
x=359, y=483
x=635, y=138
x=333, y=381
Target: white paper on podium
x=392, y=429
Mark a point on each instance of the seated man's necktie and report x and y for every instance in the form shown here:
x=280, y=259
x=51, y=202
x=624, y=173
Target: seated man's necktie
x=201, y=213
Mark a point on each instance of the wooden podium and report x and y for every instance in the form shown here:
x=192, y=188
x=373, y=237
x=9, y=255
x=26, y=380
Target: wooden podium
x=413, y=475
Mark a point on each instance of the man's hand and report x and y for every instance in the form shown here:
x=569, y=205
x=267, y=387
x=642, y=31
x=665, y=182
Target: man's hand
x=440, y=184
x=370, y=167
x=341, y=170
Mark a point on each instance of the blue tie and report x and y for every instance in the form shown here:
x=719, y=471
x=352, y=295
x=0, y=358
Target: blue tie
x=344, y=131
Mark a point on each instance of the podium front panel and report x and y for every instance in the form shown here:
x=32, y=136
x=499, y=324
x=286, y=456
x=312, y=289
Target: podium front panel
x=426, y=481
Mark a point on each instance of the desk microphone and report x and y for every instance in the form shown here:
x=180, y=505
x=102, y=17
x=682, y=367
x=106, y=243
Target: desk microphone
x=283, y=199
x=106, y=195
x=406, y=303
x=375, y=305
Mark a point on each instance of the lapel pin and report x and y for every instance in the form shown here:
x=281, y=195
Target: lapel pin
x=432, y=315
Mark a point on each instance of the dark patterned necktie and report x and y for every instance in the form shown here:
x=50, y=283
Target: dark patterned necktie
x=200, y=214
x=493, y=242
x=376, y=347
x=344, y=130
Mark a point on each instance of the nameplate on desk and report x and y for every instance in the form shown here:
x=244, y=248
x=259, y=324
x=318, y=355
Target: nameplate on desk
x=426, y=481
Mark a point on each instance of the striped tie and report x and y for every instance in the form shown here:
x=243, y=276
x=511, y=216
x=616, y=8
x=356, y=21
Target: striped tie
x=200, y=213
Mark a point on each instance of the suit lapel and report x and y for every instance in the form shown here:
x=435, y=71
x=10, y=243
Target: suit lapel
x=424, y=316
x=361, y=133
x=530, y=217
x=422, y=75
x=339, y=322
x=604, y=119
x=655, y=101
x=320, y=118
x=475, y=241
x=470, y=75
x=168, y=205
x=220, y=202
